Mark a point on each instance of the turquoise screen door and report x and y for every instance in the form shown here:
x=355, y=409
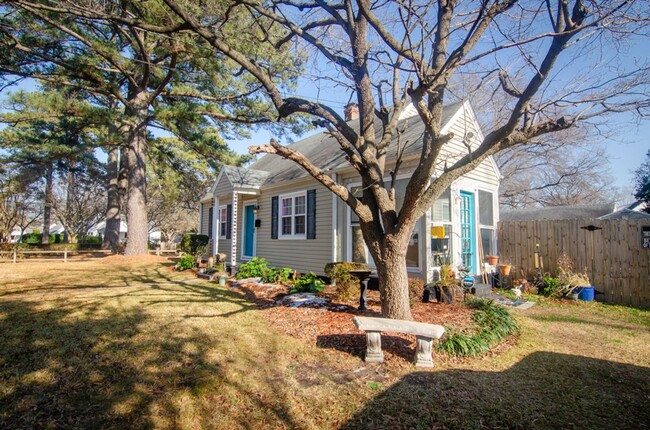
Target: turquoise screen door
x=467, y=230
x=249, y=231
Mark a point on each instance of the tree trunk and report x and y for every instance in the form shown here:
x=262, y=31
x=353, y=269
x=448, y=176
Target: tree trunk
x=137, y=240
x=112, y=228
x=390, y=260
x=47, y=207
x=69, y=236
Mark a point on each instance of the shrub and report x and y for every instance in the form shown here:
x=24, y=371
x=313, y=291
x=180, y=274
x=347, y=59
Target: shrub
x=286, y=274
x=186, y=262
x=309, y=283
x=416, y=291
x=91, y=240
x=347, y=286
x=254, y=268
x=190, y=243
x=494, y=324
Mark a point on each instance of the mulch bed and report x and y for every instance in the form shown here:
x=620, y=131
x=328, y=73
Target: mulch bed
x=331, y=326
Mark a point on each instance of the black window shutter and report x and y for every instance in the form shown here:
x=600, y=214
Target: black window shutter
x=210, y=215
x=274, y=217
x=311, y=214
x=228, y=221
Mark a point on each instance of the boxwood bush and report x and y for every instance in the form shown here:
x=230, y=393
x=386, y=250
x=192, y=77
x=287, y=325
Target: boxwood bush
x=347, y=286
x=191, y=243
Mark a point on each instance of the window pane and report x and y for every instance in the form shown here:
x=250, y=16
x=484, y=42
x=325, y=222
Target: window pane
x=486, y=212
x=354, y=219
x=300, y=223
x=441, y=209
x=487, y=239
x=358, y=246
x=224, y=215
x=413, y=249
x=286, y=225
x=300, y=205
x=286, y=207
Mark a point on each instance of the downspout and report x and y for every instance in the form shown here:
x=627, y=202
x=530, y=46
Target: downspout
x=335, y=223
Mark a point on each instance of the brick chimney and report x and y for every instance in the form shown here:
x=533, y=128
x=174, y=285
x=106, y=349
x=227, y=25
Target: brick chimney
x=351, y=112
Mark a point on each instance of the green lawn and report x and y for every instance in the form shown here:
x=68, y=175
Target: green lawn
x=123, y=344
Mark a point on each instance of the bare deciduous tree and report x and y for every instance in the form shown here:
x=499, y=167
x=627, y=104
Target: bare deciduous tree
x=552, y=60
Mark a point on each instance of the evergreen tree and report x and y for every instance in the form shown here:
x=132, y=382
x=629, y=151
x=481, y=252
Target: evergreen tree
x=642, y=182
x=155, y=78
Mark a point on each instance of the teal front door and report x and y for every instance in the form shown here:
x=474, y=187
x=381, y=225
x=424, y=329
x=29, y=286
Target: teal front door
x=467, y=230
x=249, y=231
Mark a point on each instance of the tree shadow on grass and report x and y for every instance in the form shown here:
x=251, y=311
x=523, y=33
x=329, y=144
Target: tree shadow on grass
x=355, y=344
x=87, y=364
x=543, y=391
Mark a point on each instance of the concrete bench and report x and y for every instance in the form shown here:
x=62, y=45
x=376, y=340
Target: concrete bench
x=424, y=333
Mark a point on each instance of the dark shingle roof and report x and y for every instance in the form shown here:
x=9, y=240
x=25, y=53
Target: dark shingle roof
x=242, y=177
x=323, y=150
x=558, y=212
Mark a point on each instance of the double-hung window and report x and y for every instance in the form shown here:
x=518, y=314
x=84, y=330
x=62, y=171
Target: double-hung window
x=486, y=221
x=223, y=222
x=293, y=216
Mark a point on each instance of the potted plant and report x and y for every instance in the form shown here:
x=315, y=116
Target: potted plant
x=492, y=260
x=446, y=285
x=505, y=268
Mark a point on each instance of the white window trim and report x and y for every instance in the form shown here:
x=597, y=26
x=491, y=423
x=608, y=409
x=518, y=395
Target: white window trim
x=225, y=209
x=292, y=196
x=478, y=218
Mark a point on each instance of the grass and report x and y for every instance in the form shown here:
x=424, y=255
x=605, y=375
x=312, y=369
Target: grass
x=130, y=344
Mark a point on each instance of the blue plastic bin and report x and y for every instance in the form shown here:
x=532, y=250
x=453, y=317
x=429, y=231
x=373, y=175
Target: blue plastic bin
x=585, y=293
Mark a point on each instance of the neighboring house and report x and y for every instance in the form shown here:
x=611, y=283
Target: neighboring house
x=558, y=212
x=602, y=211
x=634, y=210
x=275, y=210
x=100, y=228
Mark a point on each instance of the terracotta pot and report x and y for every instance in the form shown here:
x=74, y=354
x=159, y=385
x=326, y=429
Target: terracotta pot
x=504, y=269
x=492, y=260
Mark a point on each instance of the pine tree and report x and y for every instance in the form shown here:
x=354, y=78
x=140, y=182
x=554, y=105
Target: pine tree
x=155, y=79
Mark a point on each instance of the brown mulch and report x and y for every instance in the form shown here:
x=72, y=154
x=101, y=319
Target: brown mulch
x=331, y=326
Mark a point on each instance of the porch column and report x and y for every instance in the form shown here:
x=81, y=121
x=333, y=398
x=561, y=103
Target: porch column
x=233, y=235
x=215, y=227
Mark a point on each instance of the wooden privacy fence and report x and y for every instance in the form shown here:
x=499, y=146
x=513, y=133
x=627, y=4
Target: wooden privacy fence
x=613, y=255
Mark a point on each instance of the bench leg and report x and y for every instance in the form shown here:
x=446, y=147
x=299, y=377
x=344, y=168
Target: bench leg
x=374, y=354
x=423, y=352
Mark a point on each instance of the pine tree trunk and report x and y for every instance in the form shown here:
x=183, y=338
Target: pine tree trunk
x=112, y=228
x=69, y=236
x=137, y=239
x=47, y=207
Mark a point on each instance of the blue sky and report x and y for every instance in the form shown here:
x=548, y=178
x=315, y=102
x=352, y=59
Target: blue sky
x=625, y=151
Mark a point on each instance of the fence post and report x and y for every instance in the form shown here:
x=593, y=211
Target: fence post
x=15, y=256
x=65, y=255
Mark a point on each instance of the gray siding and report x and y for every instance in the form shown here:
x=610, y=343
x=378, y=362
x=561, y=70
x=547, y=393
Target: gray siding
x=300, y=254
x=205, y=215
x=455, y=149
x=223, y=187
